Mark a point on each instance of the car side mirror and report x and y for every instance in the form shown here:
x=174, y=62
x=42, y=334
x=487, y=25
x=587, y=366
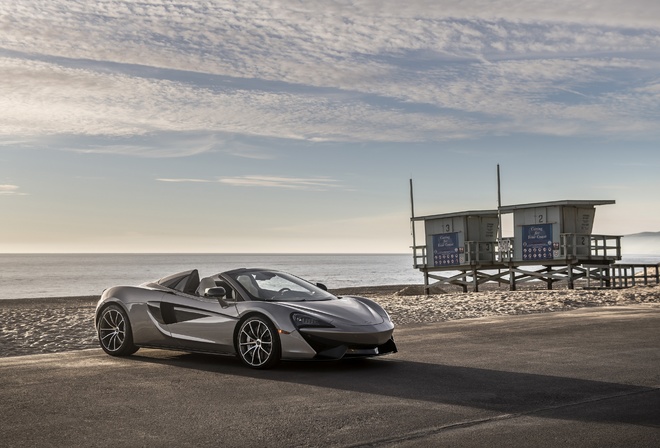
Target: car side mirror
x=218, y=292
x=322, y=286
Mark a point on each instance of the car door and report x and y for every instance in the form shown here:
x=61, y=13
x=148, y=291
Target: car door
x=199, y=324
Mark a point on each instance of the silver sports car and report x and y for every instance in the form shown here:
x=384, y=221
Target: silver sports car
x=261, y=315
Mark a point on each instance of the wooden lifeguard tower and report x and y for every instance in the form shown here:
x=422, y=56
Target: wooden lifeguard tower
x=461, y=241
x=552, y=241
x=557, y=236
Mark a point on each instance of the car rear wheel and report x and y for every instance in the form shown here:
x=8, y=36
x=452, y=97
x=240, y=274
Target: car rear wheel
x=258, y=343
x=114, y=331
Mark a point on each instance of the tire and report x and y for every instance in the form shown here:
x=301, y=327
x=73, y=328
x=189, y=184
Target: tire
x=114, y=332
x=258, y=343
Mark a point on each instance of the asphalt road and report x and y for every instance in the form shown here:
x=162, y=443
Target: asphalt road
x=576, y=379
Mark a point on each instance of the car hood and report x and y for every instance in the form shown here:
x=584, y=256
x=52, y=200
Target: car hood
x=346, y=310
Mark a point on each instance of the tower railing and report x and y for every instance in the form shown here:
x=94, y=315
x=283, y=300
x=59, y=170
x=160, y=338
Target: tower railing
x=572, y=247
x=591, y=247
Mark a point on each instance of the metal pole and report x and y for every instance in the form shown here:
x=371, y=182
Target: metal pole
x=499, y=215
x=412, y=222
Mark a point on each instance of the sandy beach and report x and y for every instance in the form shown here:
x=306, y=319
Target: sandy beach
x=50, y=325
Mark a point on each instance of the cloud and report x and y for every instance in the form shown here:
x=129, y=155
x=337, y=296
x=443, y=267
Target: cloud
x=10, y=190
x=293, y=183
x=377, y=71
x=314, y=183
x=123, y=106
x=183, y=180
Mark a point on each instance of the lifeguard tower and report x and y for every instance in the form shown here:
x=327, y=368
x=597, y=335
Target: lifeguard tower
x=461, y=241
x=558, y=237
x=552, y=241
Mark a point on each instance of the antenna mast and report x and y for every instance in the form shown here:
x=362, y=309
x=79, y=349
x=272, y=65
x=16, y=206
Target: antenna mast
x=499, y=212
x=412, y=214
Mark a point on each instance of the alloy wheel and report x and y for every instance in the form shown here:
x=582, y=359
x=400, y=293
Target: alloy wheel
x=258, y=345
x=114, y=331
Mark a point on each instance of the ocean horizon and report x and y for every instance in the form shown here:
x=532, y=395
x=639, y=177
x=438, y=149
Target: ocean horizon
x=64, y=275
x=24, y=276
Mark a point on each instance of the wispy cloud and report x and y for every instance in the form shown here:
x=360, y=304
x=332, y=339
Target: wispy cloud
x=183, y=180
x=314, y=183
x=10, y=190
x=382, y=71
x=293, y=183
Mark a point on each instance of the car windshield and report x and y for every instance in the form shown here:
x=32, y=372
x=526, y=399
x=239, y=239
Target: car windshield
x=278, y=286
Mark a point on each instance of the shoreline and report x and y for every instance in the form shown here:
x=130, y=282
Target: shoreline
x=58, y=324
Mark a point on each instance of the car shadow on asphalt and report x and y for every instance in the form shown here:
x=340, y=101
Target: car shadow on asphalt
x=503, y=392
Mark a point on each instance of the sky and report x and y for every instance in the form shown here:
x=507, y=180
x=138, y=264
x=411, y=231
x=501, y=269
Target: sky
x=295, y=126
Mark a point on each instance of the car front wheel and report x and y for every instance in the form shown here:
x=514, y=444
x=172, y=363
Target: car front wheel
x=114, y=331
x=258, y=343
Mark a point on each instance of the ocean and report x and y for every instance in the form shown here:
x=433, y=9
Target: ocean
x=65, y=275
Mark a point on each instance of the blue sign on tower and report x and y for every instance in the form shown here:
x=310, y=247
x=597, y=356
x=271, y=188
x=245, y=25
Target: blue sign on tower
x=537, y=242
x=445, y=249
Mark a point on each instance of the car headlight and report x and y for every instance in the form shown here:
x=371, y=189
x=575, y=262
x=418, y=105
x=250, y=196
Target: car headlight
x=301, y=320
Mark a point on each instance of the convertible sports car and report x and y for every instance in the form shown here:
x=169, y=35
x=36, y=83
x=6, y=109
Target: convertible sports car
x=262, y=316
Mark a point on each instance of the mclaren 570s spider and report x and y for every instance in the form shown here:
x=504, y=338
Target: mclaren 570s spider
x=260, y=315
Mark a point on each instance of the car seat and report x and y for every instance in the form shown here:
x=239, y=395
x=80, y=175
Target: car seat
x=249, y=284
